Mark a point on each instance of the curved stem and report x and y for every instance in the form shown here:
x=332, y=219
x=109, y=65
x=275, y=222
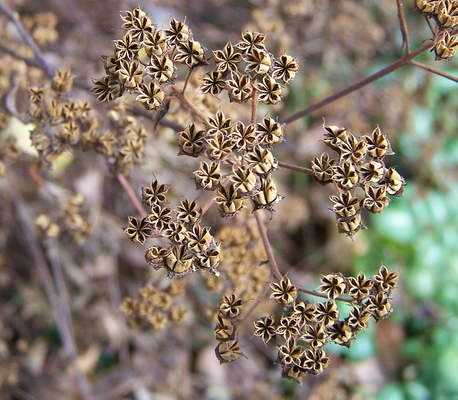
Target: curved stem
x=131, y=194
x=357, y=85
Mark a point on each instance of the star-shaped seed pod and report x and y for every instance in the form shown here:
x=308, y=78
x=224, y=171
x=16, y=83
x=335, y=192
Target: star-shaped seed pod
x=283, y=292
x=359, y=318
x=290, y=352
x=304, y=312
x=334, y=136
x=224, y=329
x=208, y=175
x=190, y=52
x=230, y=306
x=229, y=200
x=315, y=360
x=258, y=62
x=213, y=83
x=333, y=285
x=138, y=230
x=345, y=205
x=150, y=95
x=155, y=255
x=178, y=32
x=315, y=335
x=285, y=68
x=250, y=41
x=359, y=287
x=340, y=333
x=265, y=328
x=161, y=68
x=176, y=233
x=228, y=351
x=160, y=217
x=385, y=279
x=394, y=182
x=446, y=45
x=269, y=91
x=130, y=74
x=219, y=146
x=376, y=199
x=372, y=172
x=192, y=141
x=199, y=239
x=155, y=193
x=380, y=306
x=138, y=27
x=268, y=195
x=126, y=48
x=244, y=137
x=155, y=43
x=351, y=149
x=269, y=132
x=178, y=261
x=323, y=168
x=261, y=160
x=188, y=212
x=288, y=327
x=227, y=60
x=345, y=175
x=219, y=123
x=350, y=226
x=377, y=144
x=326, y=313
x=239, y=87
x=244, y=180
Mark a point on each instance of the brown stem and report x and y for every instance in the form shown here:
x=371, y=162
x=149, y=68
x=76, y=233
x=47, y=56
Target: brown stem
x=254, y=104
x=267, y=246
x=131, y=194
x=262, y=294
x=403, y=26
x=323, y=296
x=294, y=167
x=186, y=104
x=434, y=71
x=357, y=85
x=27, y=38
x=187, y=80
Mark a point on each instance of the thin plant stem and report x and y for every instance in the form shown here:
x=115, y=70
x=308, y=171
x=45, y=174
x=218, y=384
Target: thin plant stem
x=403, y=26
x=358, y=85
x=323, y=296
x=131, y=194
x=27, y=38
x=434, y=71
x=267, y=246
x=188, y=77
x=294, y=167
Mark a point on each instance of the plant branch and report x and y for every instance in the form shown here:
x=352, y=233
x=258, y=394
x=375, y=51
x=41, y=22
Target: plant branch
x=267, y=246
x=358, y=85
x=434, y=71
x=294, y=167
x=131, y=194
x=27, y=38
x=403, y=26
x=323, y=296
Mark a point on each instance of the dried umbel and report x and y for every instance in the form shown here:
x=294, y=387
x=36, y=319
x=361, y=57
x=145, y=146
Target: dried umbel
x=70, y=219
x=62, y=123
x=362, y=179
x=303, y=329
x=190, y=245
x=444, y=14
x=155, y=307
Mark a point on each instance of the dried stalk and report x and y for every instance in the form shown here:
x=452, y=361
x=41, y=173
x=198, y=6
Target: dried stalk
x=358, y=85
x=403, y=26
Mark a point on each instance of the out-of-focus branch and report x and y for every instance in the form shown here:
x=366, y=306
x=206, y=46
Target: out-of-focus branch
x=323, y=296
x=40, y=262
x=358, y=85
x=294, y=167
x=434, y=71
x=131, y=194
x=27, y=38
x=403, y=26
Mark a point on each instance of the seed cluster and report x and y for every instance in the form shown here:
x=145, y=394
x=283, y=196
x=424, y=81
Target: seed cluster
x=72, y=219
x=303, y=329
x=9, y=151
x=155, y=307
x=190, y=245
x=61, y=123
x=361, y=177
x=444, y=13
x=144, y=62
